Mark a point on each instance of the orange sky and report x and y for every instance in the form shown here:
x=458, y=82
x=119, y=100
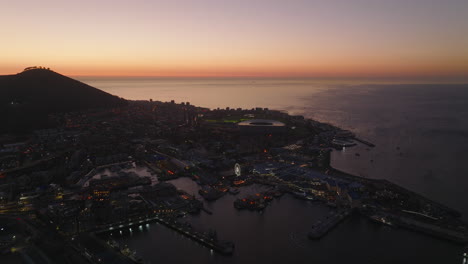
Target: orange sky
x=359, y=38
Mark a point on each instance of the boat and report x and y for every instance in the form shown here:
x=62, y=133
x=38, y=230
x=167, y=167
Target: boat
x=381, y=219
x=113, y=244
x=210, y=194
x=131, y=254
x=340, y=143
x=465, y=255
x=250, y=203
x=300, y=195
x=136, y=258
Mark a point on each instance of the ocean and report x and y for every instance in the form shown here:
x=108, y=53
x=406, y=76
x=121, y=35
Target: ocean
x=421, y=137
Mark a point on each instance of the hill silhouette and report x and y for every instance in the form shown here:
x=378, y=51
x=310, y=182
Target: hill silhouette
x=28, y=97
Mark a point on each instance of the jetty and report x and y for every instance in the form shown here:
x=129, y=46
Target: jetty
x=321, y=228
x=222, y=247
x=434, y=230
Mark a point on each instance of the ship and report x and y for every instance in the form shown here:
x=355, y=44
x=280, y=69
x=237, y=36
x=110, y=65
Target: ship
x=465, y=255
x=126, y=251
x=113, y=244
x=210, y=194
x=251, y=203
x=136, y=258
x=381, y=219
x=341, y=143
x=300, y=195
x=234, y=191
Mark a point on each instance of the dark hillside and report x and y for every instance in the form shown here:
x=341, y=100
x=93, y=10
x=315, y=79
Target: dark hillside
x=28, y=97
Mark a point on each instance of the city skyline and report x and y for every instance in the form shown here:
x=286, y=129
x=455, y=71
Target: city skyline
x=234, y=131
x=349, y=39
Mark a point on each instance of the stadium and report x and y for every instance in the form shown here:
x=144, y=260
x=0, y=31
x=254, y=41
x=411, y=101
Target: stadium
x=261, y=126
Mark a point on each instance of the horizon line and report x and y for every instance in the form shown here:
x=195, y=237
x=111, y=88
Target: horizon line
x=427, y=79
x=419, y=78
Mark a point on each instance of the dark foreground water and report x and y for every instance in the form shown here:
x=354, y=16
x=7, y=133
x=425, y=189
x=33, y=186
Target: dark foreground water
x=421, y=133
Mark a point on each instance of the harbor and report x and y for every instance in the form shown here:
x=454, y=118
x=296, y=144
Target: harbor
x=226, y=169
x=351, y=231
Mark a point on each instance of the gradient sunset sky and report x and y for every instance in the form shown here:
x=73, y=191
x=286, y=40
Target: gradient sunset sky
x=290, y=38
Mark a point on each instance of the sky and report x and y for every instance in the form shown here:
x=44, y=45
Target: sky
x=264, y=38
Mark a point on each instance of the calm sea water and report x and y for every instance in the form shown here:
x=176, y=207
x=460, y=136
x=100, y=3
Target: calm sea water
x=421, y=133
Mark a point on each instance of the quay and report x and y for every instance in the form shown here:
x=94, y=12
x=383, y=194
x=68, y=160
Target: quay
x=431, y=230
x=222, y=247
x=434, y=230
x=453, y=212
x=345, y=175
x=320, y=228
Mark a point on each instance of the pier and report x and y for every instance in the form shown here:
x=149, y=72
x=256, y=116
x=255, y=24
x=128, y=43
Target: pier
x=436, y=231
x=123, y=224
x=225, y=248
x=322, y=228
x=222, y=247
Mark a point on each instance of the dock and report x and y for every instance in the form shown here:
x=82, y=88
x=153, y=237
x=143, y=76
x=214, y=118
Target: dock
x=222, y=247
x=432, y=229
x=123, y=224
x=436, y=231
x=321, y=228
